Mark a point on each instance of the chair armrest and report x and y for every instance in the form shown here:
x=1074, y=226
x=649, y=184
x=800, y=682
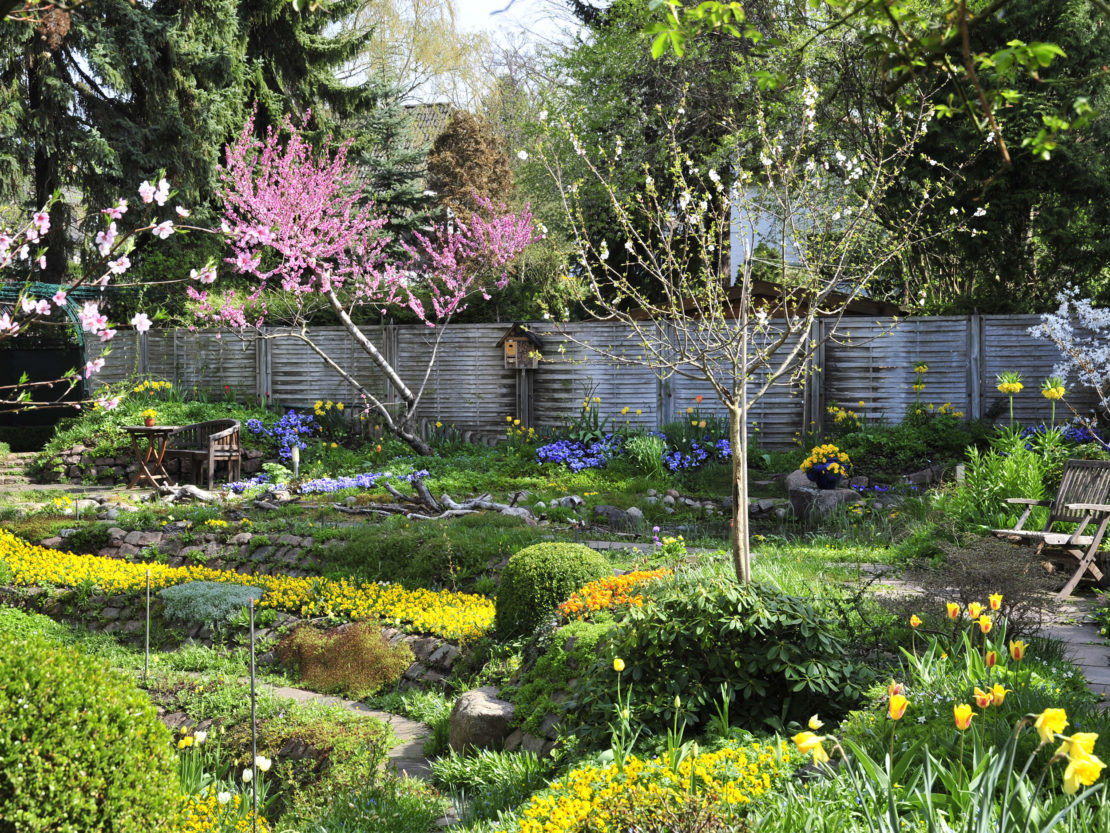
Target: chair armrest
x=1024, y=501
x=1090, y=508
x=219, y=435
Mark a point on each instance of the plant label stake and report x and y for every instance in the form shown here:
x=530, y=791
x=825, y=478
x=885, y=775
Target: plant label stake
x=254, y=737
x=296, y=449
x=146, y=651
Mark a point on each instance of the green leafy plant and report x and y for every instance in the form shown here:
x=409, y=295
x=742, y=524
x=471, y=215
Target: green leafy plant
x=646, y=453
x=487, y=783
x=68, y=720
x=538, y=578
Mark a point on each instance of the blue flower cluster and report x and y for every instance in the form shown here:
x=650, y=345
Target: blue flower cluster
x=240, y=486
x=699, y=454
x=1078, y=434
x=323, y=485
x=577, y=456
x=287, y=431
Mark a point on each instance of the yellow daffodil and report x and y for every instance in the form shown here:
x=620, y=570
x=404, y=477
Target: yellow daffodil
x=1078, y=745
x=1081, y=772
x=1049, y=723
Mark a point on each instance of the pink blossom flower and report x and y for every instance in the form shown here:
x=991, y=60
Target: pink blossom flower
x=117, y=210
x=146, y=192
x=163, y=229
x=140, y=322
x=93, y=367
x=6, y=323
x=182, y=211
x=43, y=307
x=59, y=298
x=205, y=275
x=28, y=305
x=107, y=335
x=105, y=239
x=42, y=261
x=41, y=219
x=108, y=404
x=119, y=265
x=246, y=262
x=163, y=192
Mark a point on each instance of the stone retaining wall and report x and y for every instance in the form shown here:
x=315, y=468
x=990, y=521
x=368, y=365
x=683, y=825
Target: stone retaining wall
x=78, y=465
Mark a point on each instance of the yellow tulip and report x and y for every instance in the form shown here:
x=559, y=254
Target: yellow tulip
x=974, y=610
x=983, y=699
x=897, y=707
x=1017, y=649
x=953, y=610
x=618, y=665
x=999, y=692
x=996, y=601
x=815, y=723
x=915, y=621
x=963, y=715
x=985, y=623
x=810, y=742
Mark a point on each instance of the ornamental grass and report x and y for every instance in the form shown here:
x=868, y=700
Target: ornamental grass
x=607, y=798
x=455, y=616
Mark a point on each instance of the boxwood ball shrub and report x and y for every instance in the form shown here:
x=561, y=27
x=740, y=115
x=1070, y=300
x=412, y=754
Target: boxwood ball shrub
x=80, y=748
x=538, y=578
x=780, y=657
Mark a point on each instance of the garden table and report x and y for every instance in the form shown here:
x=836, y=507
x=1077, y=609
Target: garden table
x=150, y=461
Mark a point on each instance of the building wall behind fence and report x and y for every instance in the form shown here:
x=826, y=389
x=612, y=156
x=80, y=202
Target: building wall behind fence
x=468, y=387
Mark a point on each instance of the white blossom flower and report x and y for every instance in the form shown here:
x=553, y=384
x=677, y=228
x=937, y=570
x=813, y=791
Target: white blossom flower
x=522, y=155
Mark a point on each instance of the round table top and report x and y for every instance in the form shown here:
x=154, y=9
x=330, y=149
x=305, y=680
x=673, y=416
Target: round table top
x=149, y=429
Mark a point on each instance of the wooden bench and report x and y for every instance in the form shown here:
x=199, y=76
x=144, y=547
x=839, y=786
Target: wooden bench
x=205, y=445
x=1082, y=499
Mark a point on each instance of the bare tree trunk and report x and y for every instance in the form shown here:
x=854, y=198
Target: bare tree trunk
x=738, y=439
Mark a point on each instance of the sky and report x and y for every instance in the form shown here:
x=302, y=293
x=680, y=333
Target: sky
x=540, y=17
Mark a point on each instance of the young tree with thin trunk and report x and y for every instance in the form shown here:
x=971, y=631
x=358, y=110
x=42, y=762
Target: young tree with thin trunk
x=803, y=226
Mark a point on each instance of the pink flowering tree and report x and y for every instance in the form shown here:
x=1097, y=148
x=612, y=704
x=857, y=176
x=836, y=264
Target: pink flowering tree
x=305, y=231
x=23, y=255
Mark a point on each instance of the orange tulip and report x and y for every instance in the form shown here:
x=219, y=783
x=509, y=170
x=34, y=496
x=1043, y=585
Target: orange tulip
x=897, y=707
x=963, y=715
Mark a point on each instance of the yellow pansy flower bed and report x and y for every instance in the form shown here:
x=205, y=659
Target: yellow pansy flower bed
x=593, y=797
x=456, y=616
x=206, y=814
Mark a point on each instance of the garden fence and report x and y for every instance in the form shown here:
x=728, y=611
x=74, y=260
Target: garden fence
x=469, y=387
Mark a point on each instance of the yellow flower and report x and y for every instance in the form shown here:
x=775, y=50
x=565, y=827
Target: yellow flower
x=439, y=424
x=921, y=367
x=319, y=405
x=953, y=610
x=335, y=445
x=985, y=623
x=638, y=412
x=897, y=707
x=810, y=742
x=1081, y=772
x=689, y=410
x=815, y=723
x=963, y=715
x=1050, y=722
x=1080, y=744
x=510, y=419
x=983, y=698
x=974, y=609
x=1017, y=649
x=995, y=600
x=915, y=621
x=624, y=410
x=618, y=665
x=339, y=406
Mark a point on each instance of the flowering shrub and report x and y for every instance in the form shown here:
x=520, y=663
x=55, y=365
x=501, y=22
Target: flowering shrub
x=451, y=615
x=287, y=432
x=610, y=592
x=615, y=797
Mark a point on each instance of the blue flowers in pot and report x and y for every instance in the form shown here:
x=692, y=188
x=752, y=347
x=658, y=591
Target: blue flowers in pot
x=826, y=465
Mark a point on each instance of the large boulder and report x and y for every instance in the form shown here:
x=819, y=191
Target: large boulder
x=480, y=720
x=809, y=502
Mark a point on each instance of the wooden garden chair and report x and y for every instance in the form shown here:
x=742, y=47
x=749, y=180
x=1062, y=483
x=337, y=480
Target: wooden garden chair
x=1082, y=499
x=205, y=445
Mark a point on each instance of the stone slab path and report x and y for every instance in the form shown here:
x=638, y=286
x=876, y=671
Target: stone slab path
x=1087, y=647
x=406, y=758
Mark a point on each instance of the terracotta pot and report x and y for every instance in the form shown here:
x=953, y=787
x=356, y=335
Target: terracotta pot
x=148, y=422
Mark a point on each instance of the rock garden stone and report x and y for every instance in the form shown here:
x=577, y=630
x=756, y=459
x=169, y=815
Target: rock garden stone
x=479, y=720
x=614, y=517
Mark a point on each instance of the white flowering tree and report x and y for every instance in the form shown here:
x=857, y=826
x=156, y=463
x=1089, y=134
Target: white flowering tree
x=810, y=242
x=1082, y=333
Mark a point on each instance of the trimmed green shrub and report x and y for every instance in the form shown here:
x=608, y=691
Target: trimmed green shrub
x=780, y=657
x=354, y=660
x=206, y=602
x=80, y=748
x=538, y=578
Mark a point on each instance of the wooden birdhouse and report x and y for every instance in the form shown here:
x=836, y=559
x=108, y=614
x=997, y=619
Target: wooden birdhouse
x=521, y=348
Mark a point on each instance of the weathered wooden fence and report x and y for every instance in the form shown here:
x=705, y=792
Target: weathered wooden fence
x=468, y=386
